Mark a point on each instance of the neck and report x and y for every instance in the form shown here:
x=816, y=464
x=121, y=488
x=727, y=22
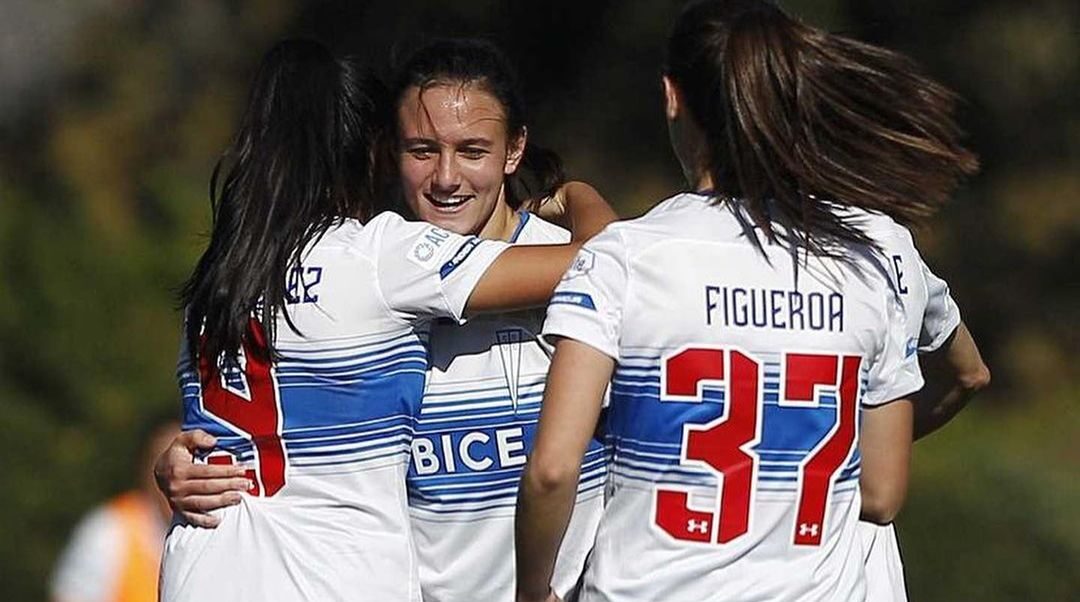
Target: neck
x=502, y=222
x=701, y=181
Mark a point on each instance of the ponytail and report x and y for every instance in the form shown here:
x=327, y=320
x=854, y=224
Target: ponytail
x=798, y=121
x=300, y=162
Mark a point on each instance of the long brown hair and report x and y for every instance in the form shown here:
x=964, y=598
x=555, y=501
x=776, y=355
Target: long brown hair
x=300, y=163
x=798, y=121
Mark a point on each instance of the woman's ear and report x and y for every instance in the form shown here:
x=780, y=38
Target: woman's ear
x=515, y=151
x=672, y=98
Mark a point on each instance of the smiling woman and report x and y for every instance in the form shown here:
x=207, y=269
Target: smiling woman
x=462, y=139
x=455, y=151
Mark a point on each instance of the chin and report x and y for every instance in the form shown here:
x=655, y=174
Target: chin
x=457, y=224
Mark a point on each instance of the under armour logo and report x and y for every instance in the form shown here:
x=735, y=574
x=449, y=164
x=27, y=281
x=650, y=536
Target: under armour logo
x=699, y=526
x=808, y=530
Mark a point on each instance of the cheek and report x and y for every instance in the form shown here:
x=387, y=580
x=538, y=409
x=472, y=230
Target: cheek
x=413, y=175
x=487, y=175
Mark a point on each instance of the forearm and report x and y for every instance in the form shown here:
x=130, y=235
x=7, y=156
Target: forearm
x=543, y=512
x=523, y=276
x=571, y=407
x=954, y=374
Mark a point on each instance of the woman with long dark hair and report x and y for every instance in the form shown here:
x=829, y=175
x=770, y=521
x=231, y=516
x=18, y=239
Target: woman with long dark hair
x=305, y=342
x=751, y=333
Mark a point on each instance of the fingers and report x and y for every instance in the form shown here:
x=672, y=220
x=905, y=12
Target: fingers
x=206, y=521
x=203, y=504
x=178, y=480
x=197, y=439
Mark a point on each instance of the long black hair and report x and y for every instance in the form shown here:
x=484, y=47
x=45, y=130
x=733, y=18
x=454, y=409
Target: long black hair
x=798, y=121
x=301, y=161
x=472, y=61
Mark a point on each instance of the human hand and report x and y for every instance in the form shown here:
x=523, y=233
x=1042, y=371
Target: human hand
x=193, y=490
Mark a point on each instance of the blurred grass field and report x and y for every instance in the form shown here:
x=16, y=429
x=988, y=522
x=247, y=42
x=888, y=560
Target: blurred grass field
x=992, y=511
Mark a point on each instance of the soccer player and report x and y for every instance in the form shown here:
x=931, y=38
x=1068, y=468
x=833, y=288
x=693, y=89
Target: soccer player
x=957, y=372
x=458, y=107
x=305, y=343
x=752, y=336
x=462, y=145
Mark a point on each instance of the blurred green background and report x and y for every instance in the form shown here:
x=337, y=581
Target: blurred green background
x=112, y=113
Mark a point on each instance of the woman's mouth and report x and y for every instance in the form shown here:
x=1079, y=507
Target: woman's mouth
x=449, y=203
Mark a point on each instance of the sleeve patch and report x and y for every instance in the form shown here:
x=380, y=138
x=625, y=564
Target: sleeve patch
x=426, y=249
x=582, y=264
x=459, y=257
x=571, y=298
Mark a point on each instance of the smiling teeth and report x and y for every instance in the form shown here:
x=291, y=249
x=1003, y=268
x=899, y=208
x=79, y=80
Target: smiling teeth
x=453, y=201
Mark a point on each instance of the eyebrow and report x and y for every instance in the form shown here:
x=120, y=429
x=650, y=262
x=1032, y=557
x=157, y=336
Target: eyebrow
x=418, y=140
x=476, y=142
x=484, y=142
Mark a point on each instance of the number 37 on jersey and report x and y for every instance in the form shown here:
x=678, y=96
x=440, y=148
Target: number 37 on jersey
x=725, y=446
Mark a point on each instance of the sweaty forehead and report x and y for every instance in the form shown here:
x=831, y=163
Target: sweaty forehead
x=449, y=112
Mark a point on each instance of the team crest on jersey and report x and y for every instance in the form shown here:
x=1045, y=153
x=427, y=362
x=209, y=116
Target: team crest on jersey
x=509, y=345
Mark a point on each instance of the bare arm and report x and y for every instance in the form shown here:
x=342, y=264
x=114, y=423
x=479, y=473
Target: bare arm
x=885, y=446
x=195, y=489
x=578, y=207
x=954, y=374
x=525, y=276
x=571, y=408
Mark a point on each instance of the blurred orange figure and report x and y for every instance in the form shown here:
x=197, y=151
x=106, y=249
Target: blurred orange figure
x=115, y=551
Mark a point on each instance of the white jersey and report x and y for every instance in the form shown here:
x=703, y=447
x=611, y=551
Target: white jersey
x=932, y=316
x=476, y=426
x=326, y=430
x=734, y=405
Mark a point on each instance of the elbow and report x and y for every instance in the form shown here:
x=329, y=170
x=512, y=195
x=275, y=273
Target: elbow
x=881, y=507
x=976, y=379
x=546, y=477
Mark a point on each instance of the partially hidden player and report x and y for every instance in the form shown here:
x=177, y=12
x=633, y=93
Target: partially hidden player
x=954, y=372
x=305, y=342
x=751, y=332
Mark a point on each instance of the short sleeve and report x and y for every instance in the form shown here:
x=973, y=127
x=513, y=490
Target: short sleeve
x=942, y=316
x=588, y=303
x=425, y=271
x=895, y=371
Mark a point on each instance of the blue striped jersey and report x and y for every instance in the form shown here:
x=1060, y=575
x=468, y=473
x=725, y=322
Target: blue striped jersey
x=325, y=430
x=476, y=425
x=735, y=402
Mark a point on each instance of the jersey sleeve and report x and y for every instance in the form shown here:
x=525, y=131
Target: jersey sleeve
x=895, y=371
x=942, y=315
x=425, y=271
x=588, y=303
